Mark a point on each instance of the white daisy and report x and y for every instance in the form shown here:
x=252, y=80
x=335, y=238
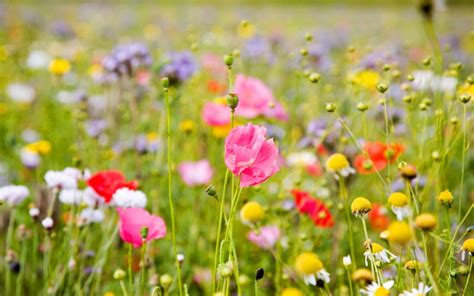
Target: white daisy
x=378, y=253
x=401, y=212
x=375, y=289
x=301, y=159
x=421, y=291
x=71, y=196
x=21, y=93
x=320, y=275
x=13, y=194
x=60, y=180
x=91, y=215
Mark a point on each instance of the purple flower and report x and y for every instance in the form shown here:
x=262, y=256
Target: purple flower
x=258, y=48
x=180, y=67
x=125, y=59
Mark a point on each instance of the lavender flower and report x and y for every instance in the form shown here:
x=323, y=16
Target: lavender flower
x=180, y=67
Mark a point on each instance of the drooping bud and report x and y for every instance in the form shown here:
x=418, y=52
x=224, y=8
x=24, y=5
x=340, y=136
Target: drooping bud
x=465, y=98
x=228, y=60
x=330, y=107
x=382, y=87
x=165, y=82
x=119, y=274
x=362, y=107
x=314, y=77
x=211, y=190
x=232, y=101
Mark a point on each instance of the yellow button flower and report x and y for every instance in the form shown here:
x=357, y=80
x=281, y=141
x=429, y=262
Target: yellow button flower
x=308, y=263
x=399, y=233
x=446, y=198
x=291, y=292
x=337, y=162
x=367, y=79
x=59, y=66
x=42, y=147
x=412, y=265
x=468, y=245
x=361, y=206
x=398, y=199
x=187, y=126
x=426, y=221
x=252, y=212
x=362, y=275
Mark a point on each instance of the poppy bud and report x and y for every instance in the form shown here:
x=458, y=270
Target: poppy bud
x=211, y=190
x=408, y=172
x=386, y=67
x=228, y=60
x=308, y=37
x=470, y=80
x=330, y=107
x=224, y=270
x=304, y=52
x=236, y=53
x=165, y=82
x=454, y=120
x=232, y=101
x=407, y=99
x=259, y=273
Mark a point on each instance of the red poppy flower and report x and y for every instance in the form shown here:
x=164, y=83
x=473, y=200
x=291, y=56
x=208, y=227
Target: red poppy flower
x=378, y=156
x=314, y=208
x=105, y=183
x=215, y=87
x=314, y=169
x=378, y=218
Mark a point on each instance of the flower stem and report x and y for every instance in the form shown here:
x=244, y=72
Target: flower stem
x=468, y=276
x=170, y=196
x=130, y=287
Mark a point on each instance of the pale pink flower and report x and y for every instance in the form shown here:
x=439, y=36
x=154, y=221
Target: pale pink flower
x=255, y=99
x=249, y=155
x=215, y=114
x=266, y=237
x=132, y=220
x=196, y=173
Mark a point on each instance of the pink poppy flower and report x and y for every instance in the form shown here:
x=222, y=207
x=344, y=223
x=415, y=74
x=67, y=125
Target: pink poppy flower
x=250, y=155
x=215, y=114
x=266, y=238
x=196, y=173
x=132, y=220
x=255, y=99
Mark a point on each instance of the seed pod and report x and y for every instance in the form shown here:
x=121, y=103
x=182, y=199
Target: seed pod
x=259, y=274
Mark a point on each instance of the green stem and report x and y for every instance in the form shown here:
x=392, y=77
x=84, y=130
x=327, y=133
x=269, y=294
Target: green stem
x=142, y=284
x=130, y=286
x=468, y=275
x=463, y=156
x=170, y=196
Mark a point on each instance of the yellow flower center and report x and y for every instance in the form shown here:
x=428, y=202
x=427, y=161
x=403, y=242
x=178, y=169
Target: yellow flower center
x=337, y=162
x=445, y=197
x=425, y=221
x=252, y=212
x=291, y=292
x=59, y=66
x=398, y=199
x=308, y=263
x=376, y=248
x=381, y=291
x=468, y=245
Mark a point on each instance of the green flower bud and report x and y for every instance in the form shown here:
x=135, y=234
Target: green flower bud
x=228, y=60
x=144, y=233
x=386, y=67
x=165, y=82
x=426, y=61
x=236, y=53
x=362, y=107
x=410, y=77
x=423, y=106
x=407, y=98
x=382, y=101
x=427, y=101
x=232, y=101
x=211, y=190
x=465, y=98
x=330, y=107
x=308, y=37
x=382, y=87
x=396, y=73
x=119, y=274
x=435, y=155
x=166, y=280
x=244, y=280
x=454, y=120
x=224, y=270
x=304, y=52
x=470, y=79
x=314, y=77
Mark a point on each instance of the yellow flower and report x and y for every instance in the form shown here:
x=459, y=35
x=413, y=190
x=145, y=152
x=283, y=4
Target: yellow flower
x=466, y=88
x=362, y=275
x=109, y=294
x=186, y=126
x=151, y=137
x=246, y=29
x=445, y=197
x=376, y=248
x=468, y=245
x=399, y=233
x=220, y=131
x=426, y=221
x=412, y=265
x=291, y=292
x=94, y=70
x=361, y=206
x=308, y=263
x=3, y=53
x=398, y=199
x=42, y=147
x=59, y=66
x=252, y=212
x=367, y=79
x=337, y=162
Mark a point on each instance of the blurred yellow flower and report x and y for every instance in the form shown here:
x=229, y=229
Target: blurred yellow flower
x=42, y=147
x=446, y=197
x=337, y=162
x=151, y=136
x=308, y=263
x=361, y=206
x=291, y=292
x=186, y=126
x=220, y=131
x=59, y=66
x=367, y=79
x=3, y=53
x=246, y=29
x=425, y=221
x=399, y=233
x=252, y=212
x=398, y=199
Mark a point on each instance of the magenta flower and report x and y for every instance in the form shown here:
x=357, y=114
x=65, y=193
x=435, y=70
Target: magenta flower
x=196, y=173
x=249, y=155
x=132, y=220
x=255, y=99
x=215, y=114
x=266, y=238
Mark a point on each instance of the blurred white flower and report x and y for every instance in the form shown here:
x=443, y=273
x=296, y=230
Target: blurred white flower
x=47, y=222
x=346, y=260
x=20, y=93
x=301, y=159
x=421, y=291
x=30, y=159
x=13, y=194
x=71, y=196
x=91, y=215
x=427, y=80
x=34, y=212
x=126, y=198
x=60, y=180
x=91, y=198
x=38, y=59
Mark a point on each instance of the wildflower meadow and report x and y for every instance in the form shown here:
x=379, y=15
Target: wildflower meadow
x=231, y=148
